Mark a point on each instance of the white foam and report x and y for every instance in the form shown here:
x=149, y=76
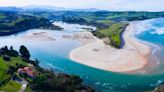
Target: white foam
x=146, y=25
x=74, y=27
x=142, y=26
x=160, y=31
x=157, y=83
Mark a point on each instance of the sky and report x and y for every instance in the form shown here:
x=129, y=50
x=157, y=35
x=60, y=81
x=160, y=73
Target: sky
x=112, y=5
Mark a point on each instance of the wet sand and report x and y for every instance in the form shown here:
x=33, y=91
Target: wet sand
x=40, y=36
x=96, y=53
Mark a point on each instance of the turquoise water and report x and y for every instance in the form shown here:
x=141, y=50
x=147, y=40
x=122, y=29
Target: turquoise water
x=154, y=33
x=54, y=54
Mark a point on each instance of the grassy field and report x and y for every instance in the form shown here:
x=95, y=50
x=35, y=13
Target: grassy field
x=4, y=66
x=11, y=86
x=109, y=22
x=113, y=32
x=14, y=60
x=28, y=89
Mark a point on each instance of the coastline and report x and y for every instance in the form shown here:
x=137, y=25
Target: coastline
x=153, y=56
x=130, y=58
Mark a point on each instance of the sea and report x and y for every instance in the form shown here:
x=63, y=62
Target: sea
x=55, y=55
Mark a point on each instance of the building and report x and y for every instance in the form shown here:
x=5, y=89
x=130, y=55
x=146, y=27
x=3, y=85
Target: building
x=29, y=71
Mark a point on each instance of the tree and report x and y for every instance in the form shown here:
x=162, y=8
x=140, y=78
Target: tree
x=24, y=52
x=6, y=57
x=6, y=50
x=12, y=52
x=36, y=63
x=11, y=47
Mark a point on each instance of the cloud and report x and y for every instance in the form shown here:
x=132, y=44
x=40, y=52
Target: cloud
x=119, y=5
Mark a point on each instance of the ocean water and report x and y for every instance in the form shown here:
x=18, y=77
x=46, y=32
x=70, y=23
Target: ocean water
x=152, y=31
x=54, y=55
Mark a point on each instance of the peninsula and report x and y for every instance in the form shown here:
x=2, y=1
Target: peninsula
x=100, y=55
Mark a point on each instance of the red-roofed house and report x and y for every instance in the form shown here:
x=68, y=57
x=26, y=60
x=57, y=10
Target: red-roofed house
x=27, y=70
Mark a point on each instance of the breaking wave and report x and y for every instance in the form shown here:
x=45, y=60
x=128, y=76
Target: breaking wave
x=147, y=26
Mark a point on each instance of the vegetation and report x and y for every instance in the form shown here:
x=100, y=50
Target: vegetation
x=11, y=22
x=113, y=32
x=79, y=16
x=59, y=82
x=28, y=89
x=109, y=24
x=24, y=52
x=13, y=72
x=11, y=86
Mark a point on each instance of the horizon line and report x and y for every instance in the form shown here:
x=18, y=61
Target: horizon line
x=71, y=9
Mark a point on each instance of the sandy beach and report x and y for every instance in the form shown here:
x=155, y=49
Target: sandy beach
x=39, y=36
x=97, y=54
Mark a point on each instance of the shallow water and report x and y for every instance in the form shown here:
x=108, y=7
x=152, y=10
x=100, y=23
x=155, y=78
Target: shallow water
x=54, y=54
x=152, y=31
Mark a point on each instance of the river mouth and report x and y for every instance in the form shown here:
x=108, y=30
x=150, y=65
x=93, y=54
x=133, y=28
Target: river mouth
x=53, y=49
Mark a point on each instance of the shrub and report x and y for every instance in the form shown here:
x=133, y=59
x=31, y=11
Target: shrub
x=6, y=58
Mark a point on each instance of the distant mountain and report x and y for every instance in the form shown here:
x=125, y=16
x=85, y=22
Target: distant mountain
x=87, y=10
x=45, y=8
x=42, y=8
x=14, y=9
x=53, y=8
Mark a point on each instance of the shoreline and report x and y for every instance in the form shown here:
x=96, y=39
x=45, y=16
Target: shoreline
x=121, y=63
x=153, y=58
x=154, y=48
x=39, y=36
